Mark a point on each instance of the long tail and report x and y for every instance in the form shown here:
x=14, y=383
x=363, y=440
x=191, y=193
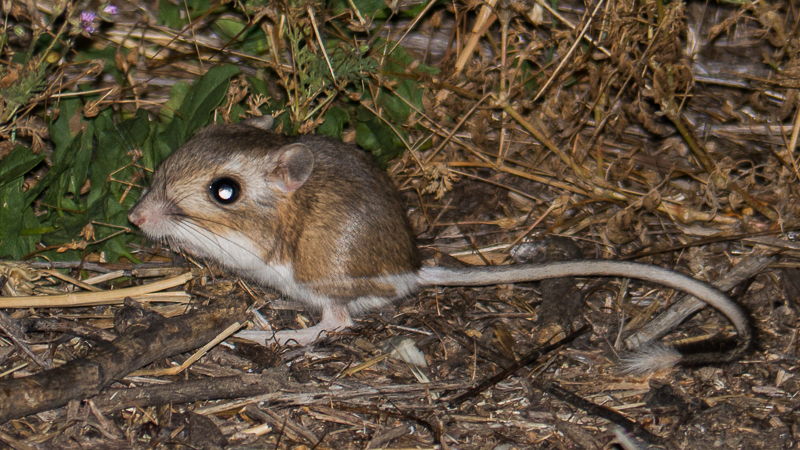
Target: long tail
x=647, y=360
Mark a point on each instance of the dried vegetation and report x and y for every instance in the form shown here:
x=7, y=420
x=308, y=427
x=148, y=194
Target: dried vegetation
x=664, y=133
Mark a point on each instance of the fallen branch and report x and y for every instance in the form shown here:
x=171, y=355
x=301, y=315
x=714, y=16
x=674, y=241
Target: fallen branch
x=136, y=347
x=688, y=305
x=244, y=385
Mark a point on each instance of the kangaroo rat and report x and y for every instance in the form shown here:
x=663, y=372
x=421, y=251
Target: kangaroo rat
x=316, y=219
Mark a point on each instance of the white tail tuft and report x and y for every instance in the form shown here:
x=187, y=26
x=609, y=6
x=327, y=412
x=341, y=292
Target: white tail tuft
x=650, y=359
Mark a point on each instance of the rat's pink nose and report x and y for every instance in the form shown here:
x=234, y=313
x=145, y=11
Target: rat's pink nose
x=136, y=217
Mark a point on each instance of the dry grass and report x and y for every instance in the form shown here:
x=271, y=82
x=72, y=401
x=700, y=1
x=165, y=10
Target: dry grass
x=661, y=133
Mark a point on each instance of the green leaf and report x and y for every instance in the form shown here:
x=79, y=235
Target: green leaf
x=169, y=14
x=114, y=144
x=258, y=86
x=195, y=111
x=198, y=7
x=335, y=119
x=12, y=203
x=107, y=54
x=177, y=94
x=379, y=139
x=206, y=94
x=376, y=9
x=399, y=60
x=397, y=109
x=365, y=138
x=413, y=93
x=62, y=162
x=69, y=111
x=237, y=113
x=17, y=163
x=229, y=28
x=28, y=81
x=64, y=176
x=414, y=9
x=80, y=166
x=135, y=133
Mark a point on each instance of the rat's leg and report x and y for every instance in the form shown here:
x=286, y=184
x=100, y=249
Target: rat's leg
x=333, y=319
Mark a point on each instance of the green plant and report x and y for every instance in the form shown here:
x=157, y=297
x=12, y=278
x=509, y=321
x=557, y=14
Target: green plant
x=70, y=199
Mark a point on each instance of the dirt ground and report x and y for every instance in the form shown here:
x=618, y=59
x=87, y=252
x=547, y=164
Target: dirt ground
x=666, y=134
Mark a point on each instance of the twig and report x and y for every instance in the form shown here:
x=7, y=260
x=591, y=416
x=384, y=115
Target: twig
x=145, y=343
x=15, y=333
x=673, y=113
x=197, y=355
x=485, y=18
x=566, y=57
x=689, y=305
x=530, y=358
x=91, y=298
x=596, y=410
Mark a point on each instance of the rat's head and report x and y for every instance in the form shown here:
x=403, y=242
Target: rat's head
x=219, y=195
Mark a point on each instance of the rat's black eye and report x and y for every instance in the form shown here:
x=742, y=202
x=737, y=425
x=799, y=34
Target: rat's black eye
x=225, y=190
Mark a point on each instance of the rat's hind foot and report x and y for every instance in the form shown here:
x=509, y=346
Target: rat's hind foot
x=332, y=320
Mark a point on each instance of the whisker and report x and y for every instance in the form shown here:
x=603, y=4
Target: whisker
x=198, y=221
x=192, y=227
x=189, y=231
x=177, y=201
x=275, y=272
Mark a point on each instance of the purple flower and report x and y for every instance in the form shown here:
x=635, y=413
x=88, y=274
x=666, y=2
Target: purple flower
x=87, y=17
x=89, y=20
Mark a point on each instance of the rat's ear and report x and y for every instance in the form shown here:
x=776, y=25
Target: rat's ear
x=295, y=162
x=263, y=122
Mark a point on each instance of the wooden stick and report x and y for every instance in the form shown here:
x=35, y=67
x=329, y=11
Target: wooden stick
x=157, y=337
x=91, y=298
